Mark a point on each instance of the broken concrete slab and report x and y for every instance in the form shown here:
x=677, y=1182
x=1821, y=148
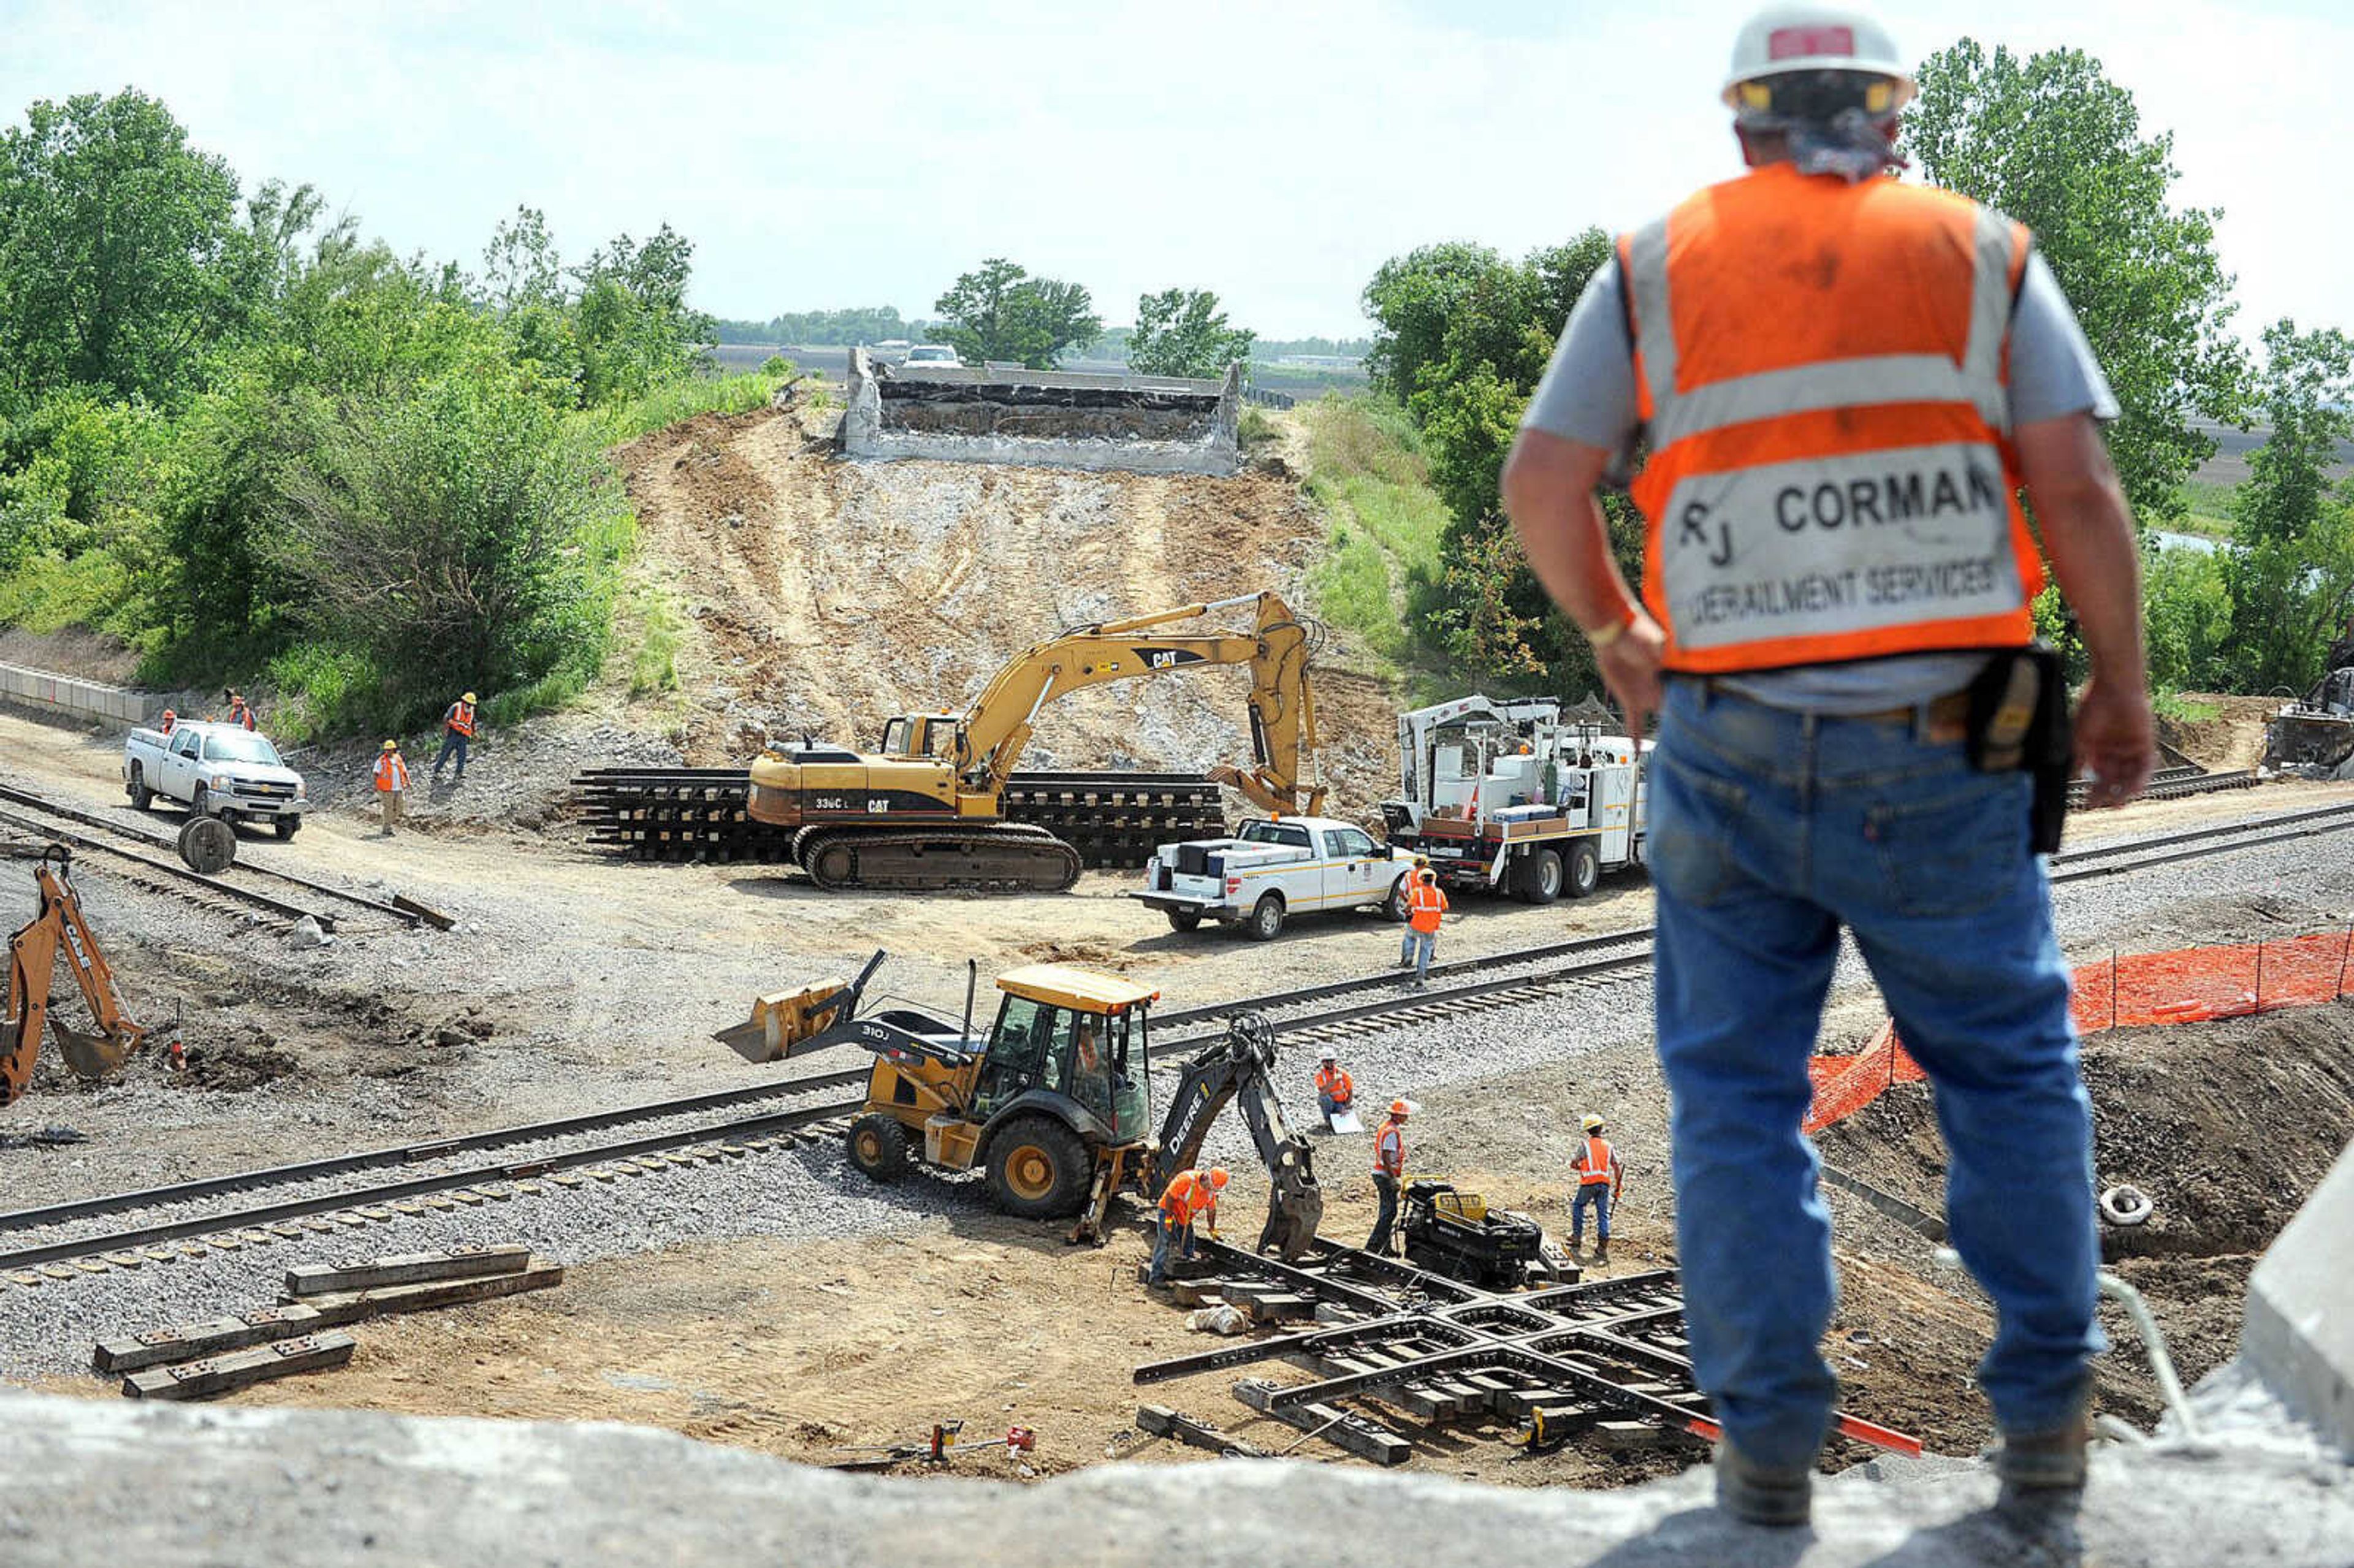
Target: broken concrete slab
x=2299, y=1335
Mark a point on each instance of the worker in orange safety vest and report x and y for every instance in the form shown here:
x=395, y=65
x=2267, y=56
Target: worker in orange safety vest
x=1190, y=1195
x=1600, y=1180
x=168, y=722
x=457, y=736
x=1425, y=901
x=1336, y=1092
x=1389, y=1171
x=391, y=780
x=240, y=711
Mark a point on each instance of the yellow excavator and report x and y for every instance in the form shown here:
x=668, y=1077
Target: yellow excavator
x=1052, y=1101
x=59, y=927
x=928, y=813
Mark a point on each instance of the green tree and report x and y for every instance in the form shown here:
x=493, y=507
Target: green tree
x=1002, y=313
x=2289, y=567
x=1181, y=332
x=2050, y=140
x=122, y=264
x=634, y=326
x=1461, y=337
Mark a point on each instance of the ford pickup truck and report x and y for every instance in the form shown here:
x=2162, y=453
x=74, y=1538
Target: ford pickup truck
x=221, y=770
x=1270, y=870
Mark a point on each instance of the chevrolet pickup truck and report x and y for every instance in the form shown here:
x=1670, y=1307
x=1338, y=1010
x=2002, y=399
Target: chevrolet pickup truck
x=216, y=770
x=1270, y=870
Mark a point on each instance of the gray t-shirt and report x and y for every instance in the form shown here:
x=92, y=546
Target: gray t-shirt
x=1588, y=395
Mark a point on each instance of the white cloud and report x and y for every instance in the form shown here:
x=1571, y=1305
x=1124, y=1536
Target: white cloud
x=822, y=156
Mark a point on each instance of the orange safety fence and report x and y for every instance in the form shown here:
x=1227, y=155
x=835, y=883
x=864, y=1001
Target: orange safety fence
x=2187, y=985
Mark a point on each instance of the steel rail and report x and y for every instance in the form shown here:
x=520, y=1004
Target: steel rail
x=260, y=900
x=410, y=1153
x=418, y=1186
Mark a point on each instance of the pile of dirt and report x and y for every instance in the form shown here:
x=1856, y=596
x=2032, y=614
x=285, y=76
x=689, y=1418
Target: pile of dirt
x=2231, y=736
x=236, y=1065
x=85, y=655
x=820, y=596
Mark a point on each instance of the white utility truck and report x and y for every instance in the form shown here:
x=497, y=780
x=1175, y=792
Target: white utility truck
x=1506, y=795
x=1271, y=870
x=216, y=770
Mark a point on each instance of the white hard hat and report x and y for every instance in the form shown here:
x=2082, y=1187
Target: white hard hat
x=1328, y=1054
x=1781, y=39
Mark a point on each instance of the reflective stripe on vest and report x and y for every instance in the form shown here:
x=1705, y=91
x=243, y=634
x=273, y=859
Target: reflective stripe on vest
x=461, y=718
x=1334, y=1082
x=391, y=772
x=1425, y=903
x=1594, y=1165
x=1185, y=1198
x=1389, y=1150
x=1821, y=371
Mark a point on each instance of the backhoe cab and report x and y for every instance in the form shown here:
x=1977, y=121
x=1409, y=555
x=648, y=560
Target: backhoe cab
x=57, y=926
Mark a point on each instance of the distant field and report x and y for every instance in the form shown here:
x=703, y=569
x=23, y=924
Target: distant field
x=2228, y=466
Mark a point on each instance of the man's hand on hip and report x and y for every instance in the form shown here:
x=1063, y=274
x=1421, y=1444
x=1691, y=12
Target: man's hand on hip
x=1630, y=669
x=2116, y=740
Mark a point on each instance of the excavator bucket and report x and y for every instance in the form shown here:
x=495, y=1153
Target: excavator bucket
x=91, y=1055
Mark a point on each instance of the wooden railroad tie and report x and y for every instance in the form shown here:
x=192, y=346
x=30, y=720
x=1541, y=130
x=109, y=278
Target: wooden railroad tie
x=239, y=1369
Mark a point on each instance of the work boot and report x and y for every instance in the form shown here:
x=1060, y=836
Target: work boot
x=2041, y=1466
x=1602, y=1250
x=1762, y=1494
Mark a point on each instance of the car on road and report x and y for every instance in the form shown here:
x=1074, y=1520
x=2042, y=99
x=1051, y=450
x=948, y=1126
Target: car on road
x=221, y=770
x=1271, y=870
x=938, y=355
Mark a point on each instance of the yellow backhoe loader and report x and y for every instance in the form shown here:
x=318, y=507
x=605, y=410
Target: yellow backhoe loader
x=928, y=811
x=32, y=960
x=1054, y=1103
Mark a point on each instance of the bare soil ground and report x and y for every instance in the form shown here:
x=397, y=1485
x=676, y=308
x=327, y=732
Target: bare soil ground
x=2232, y=737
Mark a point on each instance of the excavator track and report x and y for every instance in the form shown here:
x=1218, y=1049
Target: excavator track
x=999, y=857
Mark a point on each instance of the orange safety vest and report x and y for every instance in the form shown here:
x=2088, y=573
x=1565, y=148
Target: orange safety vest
x=1187, y=1195
x=1389, y=1150
x=391, y=772
x=170, y=721
x=1425, y=903
x=461, y=719
x=1822, y=369
x=1332, y=1081
x=240, y=714
x=1594, y=1164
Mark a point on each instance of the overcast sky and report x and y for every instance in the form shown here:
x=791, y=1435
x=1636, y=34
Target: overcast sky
x=865, y=152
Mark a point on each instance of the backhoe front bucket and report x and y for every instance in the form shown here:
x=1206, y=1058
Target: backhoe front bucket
x=91, y=1055
x=784, y=1020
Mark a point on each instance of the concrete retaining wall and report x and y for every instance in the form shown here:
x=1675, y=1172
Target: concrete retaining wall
x=2299, y=1332
x=117, y=707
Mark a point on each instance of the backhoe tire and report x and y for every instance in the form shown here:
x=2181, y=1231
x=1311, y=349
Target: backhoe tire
x=1537, y=879
x=286, y=827
x=878, y=1145
x=1039, y=1170
x=1585, y=868
x=1183, y=919
x=142, y=796
x=1266, y=922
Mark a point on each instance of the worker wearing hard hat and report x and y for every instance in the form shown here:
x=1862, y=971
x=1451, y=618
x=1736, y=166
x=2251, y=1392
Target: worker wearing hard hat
x=457, y=736
x=1842, y=381
x=1336, y=1092
x=391, y=779
x=1190, y=1195
x=1389, y=1170
x=1425, y=904
x=1600, y=1179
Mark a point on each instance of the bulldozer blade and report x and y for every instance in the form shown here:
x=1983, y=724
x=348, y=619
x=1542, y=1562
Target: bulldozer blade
x=91, y=1055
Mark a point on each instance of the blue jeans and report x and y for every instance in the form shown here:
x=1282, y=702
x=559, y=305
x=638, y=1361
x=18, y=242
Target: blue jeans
x=451, y=741
x=1329, y=1106
x=1769, y=832
x=1595, y=1196
x=1416, y=950
x=1170, y=1241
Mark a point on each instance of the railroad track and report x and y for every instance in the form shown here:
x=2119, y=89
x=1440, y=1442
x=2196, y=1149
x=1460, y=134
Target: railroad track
x=427, y=1176
x=699, y=813
x=42, y=817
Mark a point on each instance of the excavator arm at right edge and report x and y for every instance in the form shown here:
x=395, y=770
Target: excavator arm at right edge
x=33, y=950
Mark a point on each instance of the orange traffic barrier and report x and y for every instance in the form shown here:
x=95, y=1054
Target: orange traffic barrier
x=2187, y=985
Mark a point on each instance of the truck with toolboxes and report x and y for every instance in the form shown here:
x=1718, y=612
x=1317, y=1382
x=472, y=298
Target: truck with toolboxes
x=1271, y=870
x=1512, y=797
x=223, y=770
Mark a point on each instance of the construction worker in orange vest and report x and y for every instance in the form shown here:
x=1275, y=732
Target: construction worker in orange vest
x=1190, y=1195
x=391, y=780
x=1842, y=382
x=457, y=734
x=1389, y=1171
x=1425, y=901
x=1600, y=1180
x=1336, y=1093
x=240, y=711
x=168, y=722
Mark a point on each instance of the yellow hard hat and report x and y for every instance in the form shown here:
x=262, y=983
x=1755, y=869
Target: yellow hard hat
x=392, y=746
x=1422, y=860
x=469, y=696
x=1590, y=1123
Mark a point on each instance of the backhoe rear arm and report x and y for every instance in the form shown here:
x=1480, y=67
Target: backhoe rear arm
x=32, y=963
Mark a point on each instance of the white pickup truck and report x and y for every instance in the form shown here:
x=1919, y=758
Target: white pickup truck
x=216, y=770
x=1270, y=870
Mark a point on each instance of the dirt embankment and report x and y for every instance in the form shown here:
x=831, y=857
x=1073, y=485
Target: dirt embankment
x=2230, y=735
x=822, y=596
